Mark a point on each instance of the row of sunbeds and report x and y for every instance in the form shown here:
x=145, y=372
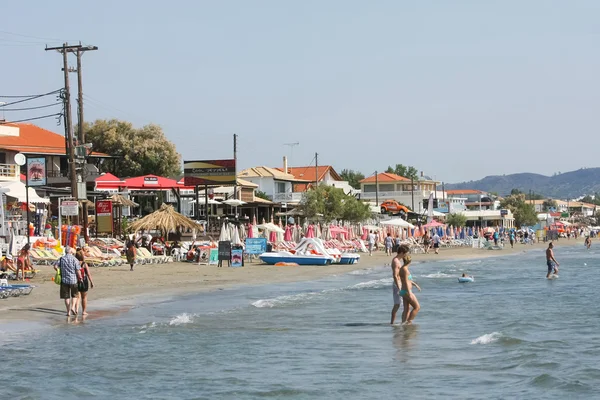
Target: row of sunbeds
x=97, y=258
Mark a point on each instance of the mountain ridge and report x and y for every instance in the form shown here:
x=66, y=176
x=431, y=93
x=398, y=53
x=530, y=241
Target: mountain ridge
x=572, y=184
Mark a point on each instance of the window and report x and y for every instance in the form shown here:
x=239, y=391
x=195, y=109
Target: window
x=279, y=187
x=2, y=158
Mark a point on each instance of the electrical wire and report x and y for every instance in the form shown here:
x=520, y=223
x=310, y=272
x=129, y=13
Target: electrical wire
x=30, y=98
x=33, y=37
x=31, y=108
x=31, y=119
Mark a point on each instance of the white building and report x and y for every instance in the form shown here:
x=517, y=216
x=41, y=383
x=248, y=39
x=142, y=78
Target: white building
x=276, y=184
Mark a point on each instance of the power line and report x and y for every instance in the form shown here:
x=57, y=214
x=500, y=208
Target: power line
x=31, y=108
x=30, y=98
x=31, y=119
x=31, y=36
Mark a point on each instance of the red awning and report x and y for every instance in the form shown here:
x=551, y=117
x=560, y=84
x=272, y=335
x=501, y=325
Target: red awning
x=151, y=182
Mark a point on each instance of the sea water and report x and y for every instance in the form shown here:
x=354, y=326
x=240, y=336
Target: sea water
x=510, y=334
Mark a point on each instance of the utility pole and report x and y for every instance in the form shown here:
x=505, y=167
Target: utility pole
x=376, y=189
x=412, y=192
x=235, y=160
x=316, y=170
x=64, y=50
x=80, y=120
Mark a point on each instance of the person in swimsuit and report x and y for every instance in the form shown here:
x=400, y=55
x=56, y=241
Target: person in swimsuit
x=85, y=284
x=551, y=261
x=588, y=242
x=409, y=299
x=396, y=265
x=23, y=261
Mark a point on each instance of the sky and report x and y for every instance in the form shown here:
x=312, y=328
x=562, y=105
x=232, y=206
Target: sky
x=458, y=89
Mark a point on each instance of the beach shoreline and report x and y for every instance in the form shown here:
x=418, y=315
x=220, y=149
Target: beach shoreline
x=117, y=289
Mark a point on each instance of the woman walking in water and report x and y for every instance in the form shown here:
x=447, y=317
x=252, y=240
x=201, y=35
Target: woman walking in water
x=408, y=297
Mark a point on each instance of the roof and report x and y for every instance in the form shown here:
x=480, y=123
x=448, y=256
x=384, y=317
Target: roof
x=32, y=139
x=385, y=177
x=151, y=182
x=244, y=183
x=267, y=172
x=107, y=177
x=464, y=191
x=310, y=174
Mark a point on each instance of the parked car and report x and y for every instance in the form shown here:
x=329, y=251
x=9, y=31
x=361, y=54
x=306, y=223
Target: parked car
x=394, y=208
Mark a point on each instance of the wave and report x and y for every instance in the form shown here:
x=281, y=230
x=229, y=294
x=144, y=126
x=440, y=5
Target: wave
x=438, y=275
x=487, y=338
x=300, y=298
x=182, y=319
x=366, y=271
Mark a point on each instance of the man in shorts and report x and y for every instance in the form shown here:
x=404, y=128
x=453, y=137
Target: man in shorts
x=397, y=285
x=70, y=275
x=551, y=261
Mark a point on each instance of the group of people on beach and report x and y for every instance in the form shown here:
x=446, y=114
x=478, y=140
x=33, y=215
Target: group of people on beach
x=75, y=280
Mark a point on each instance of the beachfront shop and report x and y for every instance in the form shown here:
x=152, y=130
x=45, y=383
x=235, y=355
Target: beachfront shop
x=485, y=218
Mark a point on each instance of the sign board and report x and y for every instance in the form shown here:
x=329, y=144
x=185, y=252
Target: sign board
x=225, y=251
x=503, y=213
x=214, y=257
x=36, y=171
x=69, y=208
x=150, y=180
x=564, y=215
x=256, y=245
x=443, y=207
x=209, y=172
x=104, y=216
x=237, y=258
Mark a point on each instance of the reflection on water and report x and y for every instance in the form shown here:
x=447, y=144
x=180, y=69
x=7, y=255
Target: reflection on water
x=405, y=339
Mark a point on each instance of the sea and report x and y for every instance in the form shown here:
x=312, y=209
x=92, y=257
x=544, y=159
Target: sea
x=509, y=334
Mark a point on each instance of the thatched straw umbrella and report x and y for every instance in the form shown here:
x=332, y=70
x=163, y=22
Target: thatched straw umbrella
x=121, y=202
x=165, y=219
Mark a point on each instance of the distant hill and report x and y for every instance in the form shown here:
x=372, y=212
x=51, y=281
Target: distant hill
x=567, y=185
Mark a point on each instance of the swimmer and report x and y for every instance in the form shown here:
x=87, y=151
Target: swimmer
x=588, y=242
x=551, y=261
x=466, y=276
x=406, y=281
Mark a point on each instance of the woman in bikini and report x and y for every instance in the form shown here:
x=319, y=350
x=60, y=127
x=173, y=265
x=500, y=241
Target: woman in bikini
x=23, y=262
x=409, y=299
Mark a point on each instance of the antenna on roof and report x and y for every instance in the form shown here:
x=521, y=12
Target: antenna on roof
x=291, y=145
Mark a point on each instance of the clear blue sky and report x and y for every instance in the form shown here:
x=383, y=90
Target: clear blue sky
x=459, y=89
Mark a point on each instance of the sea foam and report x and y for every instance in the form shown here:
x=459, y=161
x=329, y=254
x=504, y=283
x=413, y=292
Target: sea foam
x=181, y=319
x=487, y=338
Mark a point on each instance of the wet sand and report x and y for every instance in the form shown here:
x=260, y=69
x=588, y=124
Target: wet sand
x=117, y=289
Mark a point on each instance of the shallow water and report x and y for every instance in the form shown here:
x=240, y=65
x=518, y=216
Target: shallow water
x=510, y=334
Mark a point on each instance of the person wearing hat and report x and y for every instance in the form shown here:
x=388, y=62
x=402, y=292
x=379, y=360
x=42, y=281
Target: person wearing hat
x=7, y=264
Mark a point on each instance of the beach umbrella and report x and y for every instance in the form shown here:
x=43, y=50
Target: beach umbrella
x=297, y=230
x=411, y=232
x=433, y=224
x=235, y=238
x=251, y=231
x=243, y=233
x=310, y=232
x=365, y=234
x=273, y=237
x=287, y=237
x=224, y=236
x=165, y=219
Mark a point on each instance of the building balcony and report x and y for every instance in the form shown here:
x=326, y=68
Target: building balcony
x=421, y=194
x=288, y=197
x=10, y=172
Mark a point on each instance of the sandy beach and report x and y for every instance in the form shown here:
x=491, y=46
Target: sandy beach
x=118, y=289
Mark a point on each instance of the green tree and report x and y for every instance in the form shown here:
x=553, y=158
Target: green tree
x=456, y=219
x=515, y=191
x=262, y=195
x=353, y=177
x=330, y=203
x=355, y=210
x=523, y=212
x=141, y=151
x=548, y=204
x=525, y=215
x=405, y=171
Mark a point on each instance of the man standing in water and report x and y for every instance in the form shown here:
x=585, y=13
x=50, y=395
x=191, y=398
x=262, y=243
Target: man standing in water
x=396, y=265
x=551, y=261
